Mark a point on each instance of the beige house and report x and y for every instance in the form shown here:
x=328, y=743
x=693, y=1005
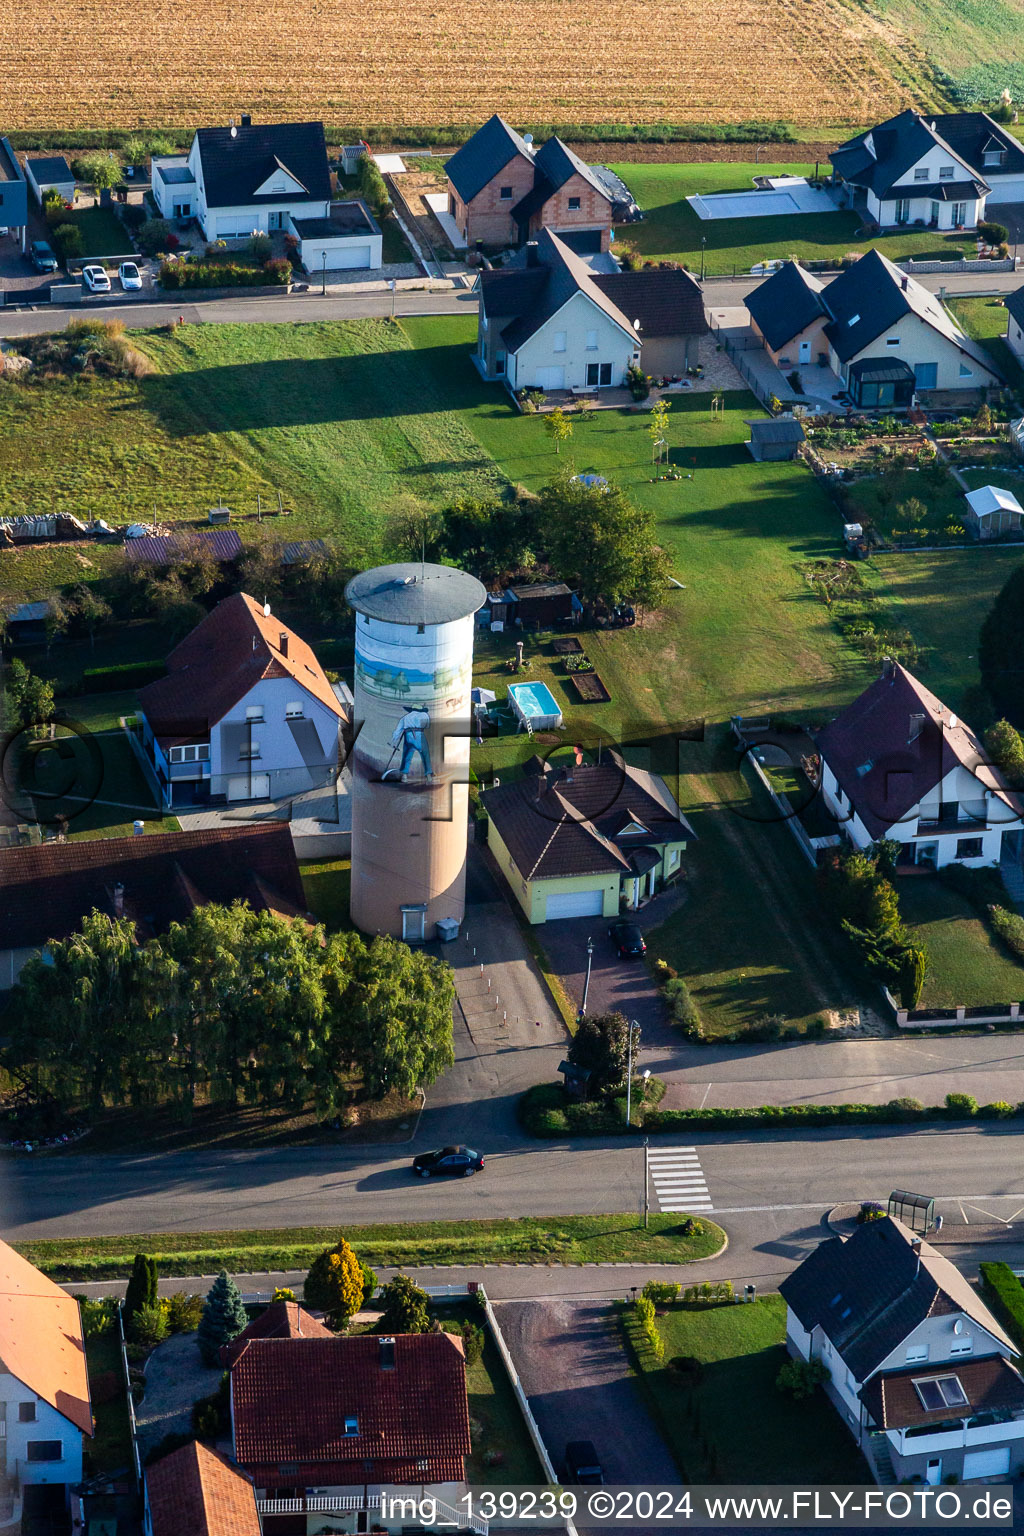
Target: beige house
x=586, y=843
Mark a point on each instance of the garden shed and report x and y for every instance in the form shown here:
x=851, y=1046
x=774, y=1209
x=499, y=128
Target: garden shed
x=774, y=439
x=992, y=511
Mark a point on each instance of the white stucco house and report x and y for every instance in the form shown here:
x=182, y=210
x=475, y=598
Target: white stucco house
x=547, y=321
x=898, y=764
x=268, y=178
x=945, y=171
x=246, y=711
x=44, y=1382
x=919, y=1370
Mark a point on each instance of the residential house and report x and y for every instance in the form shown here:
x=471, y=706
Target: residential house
x=943, y=170
x=884, y=336
x=280, y=1320
x=501, y=191
x=328, y=1424
x=1015, y=322
x=267, y=178
x=51, y=173
x=245, y=712
x=546, y=321
x=13, y=193
x=924, y=1377
x=44, y=1382
x=48, y=890
x=898, y=764
x=198, y=1491
x=585, y=841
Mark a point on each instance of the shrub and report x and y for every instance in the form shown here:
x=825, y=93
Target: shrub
x=282, y=1293
x=98, y=169
x=197, y=274
x=372, y=186
x=184, y=1313
x=224, y=1316
x=260, y=246
x=644, y=1308
x=662, y=1292
x=153, y=236
x=129, y=674
x=801, y=1378
x=97, y=1315
x=473, y=1337
x=1006, y=1295
x=406, y=1307
x=683, y=1009
x=68, y=240
x=637, y=382
x=905, y=1108
x=708, y=1294
x=997, y=1110
x=148, y=1326
x=870, y=1210
x=334, y=1284
x=991, y=232
x=687, y=1366
x=1009, y=927
x=134, y=215
x=961, y=1106
x=141, y=1290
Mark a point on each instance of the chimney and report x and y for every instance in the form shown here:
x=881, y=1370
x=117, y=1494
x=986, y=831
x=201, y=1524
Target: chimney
x=386, y=1354
x=282, y=644
x=532, y=256
x=916, y=726
x=905, y=282
x=118, y=895
x=246, y=119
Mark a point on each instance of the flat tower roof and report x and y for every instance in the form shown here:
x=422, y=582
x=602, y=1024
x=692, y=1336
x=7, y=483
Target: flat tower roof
x=415, y=593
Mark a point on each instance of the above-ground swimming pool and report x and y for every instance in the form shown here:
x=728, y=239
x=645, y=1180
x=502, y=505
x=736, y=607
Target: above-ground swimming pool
x=536, y=703
x=785, y=194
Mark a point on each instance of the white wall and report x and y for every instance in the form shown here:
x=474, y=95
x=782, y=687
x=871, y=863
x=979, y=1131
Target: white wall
x=932, y=162
x=938, y=1335
x=166, y=194
x=48, y=1425
x=339, y=248
x=279, y=753
x=919, y=342
x=575, y=319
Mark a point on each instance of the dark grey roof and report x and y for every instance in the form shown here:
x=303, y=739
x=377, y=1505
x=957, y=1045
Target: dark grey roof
x=781, y=429
x=971, y=133
x=235, y=166
x=555, y=826
x=506, y=292
x=881, y=370
x=938, y=191
x=1015, y=304
x=666, y=301
x=10, y=168
x=415, y=593
x=786, y=304
x=879, y=157
x=481, y=158
x=558, y=164
x=348, y=218
x=50, y=168
x=872, y=295
x=175, y=175
x=869, y=1292
x=566, y=275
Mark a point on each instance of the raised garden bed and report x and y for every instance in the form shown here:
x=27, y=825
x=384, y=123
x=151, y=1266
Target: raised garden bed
x=568, y=645
x=589, y=687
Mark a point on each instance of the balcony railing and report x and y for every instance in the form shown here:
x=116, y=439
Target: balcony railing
x=355, y=1503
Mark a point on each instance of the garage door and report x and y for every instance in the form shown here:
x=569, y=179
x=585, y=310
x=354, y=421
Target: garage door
x=249, y=787
x=987, y=1463
x=232, y=227
x=1008, y=190
x=348, y=256
x=575, y=904
x=550, y=378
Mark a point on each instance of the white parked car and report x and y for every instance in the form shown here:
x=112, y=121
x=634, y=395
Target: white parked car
x=4, y=229
x=96, y=279
x=129, y=275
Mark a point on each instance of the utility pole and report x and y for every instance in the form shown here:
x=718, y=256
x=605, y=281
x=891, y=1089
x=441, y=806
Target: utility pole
x=647, y=1183
x=629, y=1073
x=586, y=984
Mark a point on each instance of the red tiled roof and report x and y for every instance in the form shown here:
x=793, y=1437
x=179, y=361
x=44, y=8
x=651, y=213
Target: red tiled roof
x=281, y=1320
x=990, y=1384
x=46, y=891
x=196, y=1492
x=291, y=1397
x=41, y=1339
x=228, y=653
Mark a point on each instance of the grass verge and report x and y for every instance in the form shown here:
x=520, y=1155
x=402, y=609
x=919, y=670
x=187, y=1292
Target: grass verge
x=520, y=1240
x=110, y=1448
x=726, y=1421
x=497, y=1426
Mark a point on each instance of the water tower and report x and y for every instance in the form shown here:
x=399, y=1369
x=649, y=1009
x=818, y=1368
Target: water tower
x=410, y=762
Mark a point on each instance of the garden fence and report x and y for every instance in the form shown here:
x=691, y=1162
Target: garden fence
x=950, y=1018
x=809, y=846
x=133, y=1427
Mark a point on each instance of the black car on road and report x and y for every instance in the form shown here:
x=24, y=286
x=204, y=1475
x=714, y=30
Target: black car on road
x=448, y=1160
x=628, y=940
x=581, y=1463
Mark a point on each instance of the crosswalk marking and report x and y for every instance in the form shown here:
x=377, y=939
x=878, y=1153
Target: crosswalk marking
x=678, y=1179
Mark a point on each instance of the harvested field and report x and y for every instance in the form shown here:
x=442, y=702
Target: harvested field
x=115, y=65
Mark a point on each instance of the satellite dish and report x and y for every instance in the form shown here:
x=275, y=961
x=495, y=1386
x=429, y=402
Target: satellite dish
x=958, y=1326
x=953, y=722
x=266, y=609
x=636, y=325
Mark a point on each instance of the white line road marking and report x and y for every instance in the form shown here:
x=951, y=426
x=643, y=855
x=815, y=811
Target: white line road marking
x=678, y=1179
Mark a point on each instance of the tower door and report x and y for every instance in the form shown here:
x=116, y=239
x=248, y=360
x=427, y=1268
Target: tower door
x=414, y=924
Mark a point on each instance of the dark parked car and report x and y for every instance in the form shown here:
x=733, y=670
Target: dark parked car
x=581, y=1463
x=449, y=1160
x=628, y=940
x=42, y=257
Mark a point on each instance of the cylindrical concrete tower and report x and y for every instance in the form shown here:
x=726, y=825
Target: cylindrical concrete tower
x=410, y=762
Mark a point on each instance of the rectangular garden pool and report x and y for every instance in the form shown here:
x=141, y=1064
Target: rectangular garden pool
x=785, y=194
x=534, y=702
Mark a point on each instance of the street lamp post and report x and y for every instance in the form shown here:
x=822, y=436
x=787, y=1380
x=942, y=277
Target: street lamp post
x=586, y=984
x=323, y=253
x=647, y=1184
x=703, y=243
x=633, y=1025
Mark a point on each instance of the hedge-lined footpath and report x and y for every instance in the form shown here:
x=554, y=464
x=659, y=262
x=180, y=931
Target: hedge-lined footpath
x=1005, y=1295
x=545, y=1112
x=615, y=1239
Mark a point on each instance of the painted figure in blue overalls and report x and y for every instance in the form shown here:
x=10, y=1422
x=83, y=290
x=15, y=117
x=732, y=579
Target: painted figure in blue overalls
x=411, y=735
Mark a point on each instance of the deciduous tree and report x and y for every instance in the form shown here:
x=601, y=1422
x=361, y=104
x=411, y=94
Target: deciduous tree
x=406, y=1307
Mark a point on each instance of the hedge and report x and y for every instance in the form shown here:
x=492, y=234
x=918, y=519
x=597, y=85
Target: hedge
x=128, y=674
x=545, y=1112
x=198, y=274
x=1006, y=1294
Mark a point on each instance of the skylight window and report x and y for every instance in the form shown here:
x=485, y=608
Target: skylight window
x=853, y=320
x=865, y=767
x=941, y=1392
x=836, y=1299
x=351, y=1426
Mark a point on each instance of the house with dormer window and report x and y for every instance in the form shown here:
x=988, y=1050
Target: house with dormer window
x=922, y=1374
x=946, y=171
x=898, y=764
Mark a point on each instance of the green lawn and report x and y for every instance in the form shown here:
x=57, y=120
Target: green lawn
x=671, y=229
x=966, y=963
x=521, y=1240
x=91, y=776
x=985, y=320
x=498, y=1426
x=110, y=1450
x=943, y=501
x=732, y=1425
x=102, y=231
x=327, y=885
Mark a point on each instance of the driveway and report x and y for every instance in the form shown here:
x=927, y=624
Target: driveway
x=175, y=1379
x=576, y=1375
